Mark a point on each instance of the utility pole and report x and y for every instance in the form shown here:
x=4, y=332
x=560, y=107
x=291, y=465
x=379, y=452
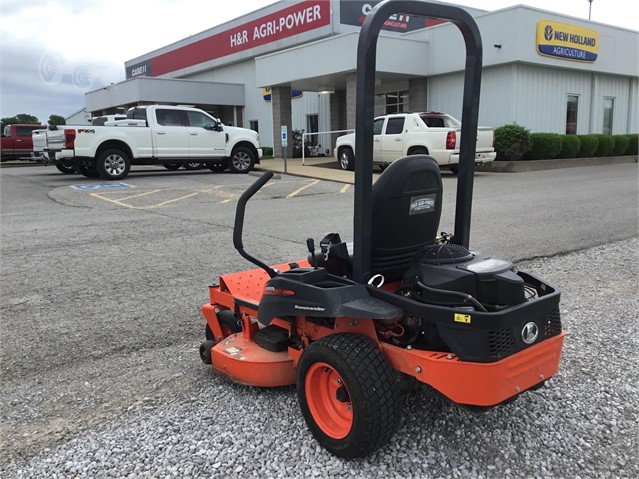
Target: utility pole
x=589, y=9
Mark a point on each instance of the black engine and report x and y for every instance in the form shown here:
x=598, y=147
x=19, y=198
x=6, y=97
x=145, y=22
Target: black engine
x=450, y=275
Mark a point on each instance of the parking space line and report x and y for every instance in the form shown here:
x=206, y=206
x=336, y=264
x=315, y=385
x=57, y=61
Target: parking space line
x=115, y=202
x=174, y=199
x=345, y=188
x=140, y=194
x=299, y=190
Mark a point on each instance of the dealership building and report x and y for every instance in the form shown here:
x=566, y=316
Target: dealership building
x=293, y=63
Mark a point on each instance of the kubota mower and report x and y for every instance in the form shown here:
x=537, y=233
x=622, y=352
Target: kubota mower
x=400, y=304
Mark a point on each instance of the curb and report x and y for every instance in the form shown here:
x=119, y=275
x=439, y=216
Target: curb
x=536, y=165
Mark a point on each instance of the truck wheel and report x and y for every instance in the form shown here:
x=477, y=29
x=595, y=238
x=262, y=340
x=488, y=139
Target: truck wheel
x=454, y=169
x=87, y=171
x=242, y=160
x=171, y=166
x=218, y=167
x=66, y=168
x=113, y=164
x=193, y=166
x=346, y=159
x=348, y=394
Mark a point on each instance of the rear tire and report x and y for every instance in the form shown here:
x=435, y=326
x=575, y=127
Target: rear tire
x=193, y=166
x=348, y=394
x=113, y=164
x=218, y=167
x=171, y=166
x=242, y=160
x=346, y=159
x=87, y=171
x=66, y=168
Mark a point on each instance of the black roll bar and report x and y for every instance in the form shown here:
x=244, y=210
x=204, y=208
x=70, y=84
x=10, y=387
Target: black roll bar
x=364, y=115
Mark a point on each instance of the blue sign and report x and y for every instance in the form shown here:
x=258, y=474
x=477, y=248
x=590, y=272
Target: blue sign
x=102, y=186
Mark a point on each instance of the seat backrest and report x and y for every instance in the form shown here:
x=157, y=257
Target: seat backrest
x=406, y=205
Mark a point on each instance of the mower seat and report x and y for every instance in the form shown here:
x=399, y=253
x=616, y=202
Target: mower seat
x=406, y=208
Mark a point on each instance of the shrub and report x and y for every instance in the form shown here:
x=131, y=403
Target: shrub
x=633, y=144
x=511, y=142
x=267, y=150
x=570, y=145
x=543, y=146
x=621, y=145
x=605, y=146
x=588, y=146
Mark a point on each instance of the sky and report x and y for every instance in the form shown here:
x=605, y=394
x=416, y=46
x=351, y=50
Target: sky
x=54, y=51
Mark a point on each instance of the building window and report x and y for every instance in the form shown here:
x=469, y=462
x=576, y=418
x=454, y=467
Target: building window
x=312, y=126
x=396, y=101
x=254, y=125
x=609, y=111
x=572, y=107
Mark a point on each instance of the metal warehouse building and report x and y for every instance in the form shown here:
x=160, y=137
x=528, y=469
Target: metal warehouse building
x=293, y=63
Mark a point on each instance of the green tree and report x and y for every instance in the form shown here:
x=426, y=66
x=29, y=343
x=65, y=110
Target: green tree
x=21, y=119
x=57, y=120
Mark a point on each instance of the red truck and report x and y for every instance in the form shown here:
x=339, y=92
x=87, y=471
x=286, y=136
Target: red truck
x=17, y=142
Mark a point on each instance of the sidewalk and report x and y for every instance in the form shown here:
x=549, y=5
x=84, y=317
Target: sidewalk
x=329, y=170
x=326, y=168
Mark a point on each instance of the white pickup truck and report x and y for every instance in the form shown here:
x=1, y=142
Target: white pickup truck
x=402, y=134
x=155, y=134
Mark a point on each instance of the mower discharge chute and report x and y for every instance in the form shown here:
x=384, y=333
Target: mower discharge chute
x=349, y=324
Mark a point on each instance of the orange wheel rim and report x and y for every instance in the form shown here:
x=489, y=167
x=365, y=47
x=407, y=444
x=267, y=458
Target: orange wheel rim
x=329, y=400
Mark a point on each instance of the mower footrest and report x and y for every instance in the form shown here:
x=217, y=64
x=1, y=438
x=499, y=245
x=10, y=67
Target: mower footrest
x=273, y=338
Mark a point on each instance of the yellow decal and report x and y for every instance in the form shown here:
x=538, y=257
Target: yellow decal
x=570, y=42
x=462, y=318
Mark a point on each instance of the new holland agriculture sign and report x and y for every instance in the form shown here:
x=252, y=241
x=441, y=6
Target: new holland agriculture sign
x=561, y=40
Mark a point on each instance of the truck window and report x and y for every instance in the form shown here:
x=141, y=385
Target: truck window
x=198, y=119
x=395, y=125
x=169, y=117
x=377, y=126
x=26, y=130
x=433, y=122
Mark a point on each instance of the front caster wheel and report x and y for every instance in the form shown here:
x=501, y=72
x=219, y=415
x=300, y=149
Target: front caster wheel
x=205, y=351
x=348, y=394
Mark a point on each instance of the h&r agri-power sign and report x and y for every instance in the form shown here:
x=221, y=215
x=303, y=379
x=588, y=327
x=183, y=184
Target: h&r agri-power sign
x=570, y=42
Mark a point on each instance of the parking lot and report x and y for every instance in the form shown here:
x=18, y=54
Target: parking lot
x=100, y=325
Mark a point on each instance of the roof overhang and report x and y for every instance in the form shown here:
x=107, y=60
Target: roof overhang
x=165, y=90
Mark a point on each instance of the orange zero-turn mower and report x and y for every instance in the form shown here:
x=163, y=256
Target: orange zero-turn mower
x=399, y=305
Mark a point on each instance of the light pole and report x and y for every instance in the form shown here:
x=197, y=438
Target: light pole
x=589, y=8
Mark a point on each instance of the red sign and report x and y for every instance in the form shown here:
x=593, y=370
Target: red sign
x=299, y=18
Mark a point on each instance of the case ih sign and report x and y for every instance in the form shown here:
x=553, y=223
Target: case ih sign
x=299, y=18
x=355, y=12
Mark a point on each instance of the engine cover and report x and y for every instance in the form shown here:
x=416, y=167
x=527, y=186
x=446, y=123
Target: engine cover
x=447, y=267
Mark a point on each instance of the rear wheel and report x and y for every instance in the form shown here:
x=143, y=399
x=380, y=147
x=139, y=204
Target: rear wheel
x=348, y=394
x=242, y=160
x=346, y=159
x=66, y=167
x=171, y=166
x=193, y=166
x=218, y=167
x=87, y=171
x=113, y=164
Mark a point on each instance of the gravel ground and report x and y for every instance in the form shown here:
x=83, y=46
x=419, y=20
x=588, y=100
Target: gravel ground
x=582, y=424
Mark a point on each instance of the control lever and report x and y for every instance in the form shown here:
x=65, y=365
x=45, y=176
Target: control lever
x=310, y=244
